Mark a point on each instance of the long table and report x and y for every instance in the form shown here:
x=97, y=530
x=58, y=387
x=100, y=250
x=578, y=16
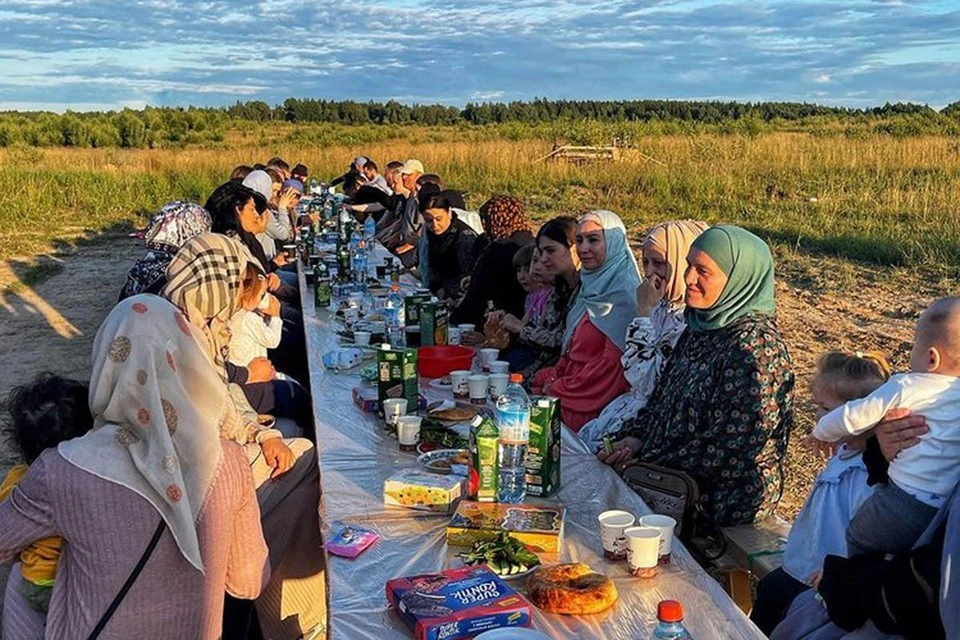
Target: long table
x=356, y=456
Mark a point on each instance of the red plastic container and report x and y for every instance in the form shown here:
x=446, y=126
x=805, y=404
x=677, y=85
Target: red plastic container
x=436, y=362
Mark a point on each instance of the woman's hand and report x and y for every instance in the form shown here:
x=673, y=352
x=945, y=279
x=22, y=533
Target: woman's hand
x=623, y=451
x=649, y=294
x=899, y=430
x=273, y=306
x=511, y=323
x=273, y=282
x=277, y=455
x=260, y=370
x=288, y=198
x=280, y=259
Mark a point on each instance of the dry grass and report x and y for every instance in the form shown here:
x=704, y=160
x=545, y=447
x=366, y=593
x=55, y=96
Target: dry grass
x=866, y=230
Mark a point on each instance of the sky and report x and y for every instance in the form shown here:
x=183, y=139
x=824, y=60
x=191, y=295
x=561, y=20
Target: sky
x=96, y=54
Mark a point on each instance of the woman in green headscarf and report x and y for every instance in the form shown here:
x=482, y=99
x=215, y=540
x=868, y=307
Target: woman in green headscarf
x=723, y=407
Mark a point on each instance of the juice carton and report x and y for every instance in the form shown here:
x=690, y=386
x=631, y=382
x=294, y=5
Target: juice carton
x=434, y=324
x=543, y=451
x=411, y=307
x=397, y=375
x=484, y=467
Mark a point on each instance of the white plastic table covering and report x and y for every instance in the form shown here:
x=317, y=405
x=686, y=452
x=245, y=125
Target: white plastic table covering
x=356, y=455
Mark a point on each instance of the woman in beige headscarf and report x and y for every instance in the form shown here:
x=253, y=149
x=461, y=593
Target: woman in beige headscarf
x=210, y=279
x=658, y=325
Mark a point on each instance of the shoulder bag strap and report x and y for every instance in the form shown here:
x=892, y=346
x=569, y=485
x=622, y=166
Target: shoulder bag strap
x=97, y=630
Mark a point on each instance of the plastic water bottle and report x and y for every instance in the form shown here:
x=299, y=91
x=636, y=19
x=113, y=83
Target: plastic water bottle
x=670, y=622
x=369, y=229
x=360, y=262
x=394, y=313
x=513, y=421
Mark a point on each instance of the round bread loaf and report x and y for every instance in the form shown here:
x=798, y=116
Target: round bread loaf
x=571, y=588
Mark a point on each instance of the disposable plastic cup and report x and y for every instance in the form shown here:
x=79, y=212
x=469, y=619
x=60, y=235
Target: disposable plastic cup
x=478, y=386
x=362, y=338
x=665, y=525
x=408, y=432
x=499, y=366
x=643, y=551
x=498, y=384
x=612, y=525
x=393, y=408
x=458, y=380
x=487, y=356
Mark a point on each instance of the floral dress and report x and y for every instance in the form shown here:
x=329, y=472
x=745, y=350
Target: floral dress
x=650, y=341
x=722, y=412
x=545, y=334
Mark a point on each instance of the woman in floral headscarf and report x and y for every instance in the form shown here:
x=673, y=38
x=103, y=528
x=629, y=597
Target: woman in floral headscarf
x=722, y=408
x=493, y=279
x=170, y=228
x=658, y=325
x=153, y=467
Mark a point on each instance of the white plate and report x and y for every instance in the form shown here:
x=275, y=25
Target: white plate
x=438, y=383
x=512, y=633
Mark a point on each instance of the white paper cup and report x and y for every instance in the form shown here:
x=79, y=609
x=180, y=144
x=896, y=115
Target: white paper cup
x=393, y=408
x=453, y=336
x=408, y=432
x=665, y=525
x=362, y=338
x=612, y=525
x=500, y=366
x=498, y=384
x=458, y=380
x=487, y=356
x=478, y=385
x=643, y=551
x=466, y=328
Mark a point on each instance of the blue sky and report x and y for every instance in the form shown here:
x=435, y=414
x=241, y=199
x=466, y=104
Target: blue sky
x=96, y=54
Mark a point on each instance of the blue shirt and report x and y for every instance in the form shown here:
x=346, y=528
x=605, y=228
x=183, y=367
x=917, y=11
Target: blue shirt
x=821, y=527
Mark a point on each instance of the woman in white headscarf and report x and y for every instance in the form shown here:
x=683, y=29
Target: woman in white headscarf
x=588, y=375
x=653, y=334
x=152, y=483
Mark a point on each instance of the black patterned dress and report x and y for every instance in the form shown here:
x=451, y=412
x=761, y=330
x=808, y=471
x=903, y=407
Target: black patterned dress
x=722, y=411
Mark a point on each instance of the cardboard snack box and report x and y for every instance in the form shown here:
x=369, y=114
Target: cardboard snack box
x=539, y=527
x=543, y=452
x=421, y=490
x=457, y=603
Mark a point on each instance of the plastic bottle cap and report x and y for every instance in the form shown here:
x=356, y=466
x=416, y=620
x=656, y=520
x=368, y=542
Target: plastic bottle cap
x=516, y=377
x=670, y=611
x=395, y=287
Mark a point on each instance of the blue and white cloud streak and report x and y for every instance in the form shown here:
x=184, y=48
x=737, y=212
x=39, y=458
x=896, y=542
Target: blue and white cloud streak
x=95, y=54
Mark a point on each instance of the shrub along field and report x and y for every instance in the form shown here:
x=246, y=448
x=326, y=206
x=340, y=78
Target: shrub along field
x=879, y=199
x=865, y=225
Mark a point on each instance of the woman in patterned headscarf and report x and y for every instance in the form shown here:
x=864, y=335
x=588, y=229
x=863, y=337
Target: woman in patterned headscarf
x=494, y=280
x=153, y=467
x=209, y=281
x=170, y=228
x=658, y=325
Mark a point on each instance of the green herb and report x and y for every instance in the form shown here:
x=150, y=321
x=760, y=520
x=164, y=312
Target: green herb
x=505, y=555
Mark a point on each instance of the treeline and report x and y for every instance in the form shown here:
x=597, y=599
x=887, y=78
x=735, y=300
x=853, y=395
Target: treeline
x=165, y=127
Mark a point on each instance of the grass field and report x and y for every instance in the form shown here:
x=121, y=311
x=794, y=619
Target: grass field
x=865, y=230
x=878, y=199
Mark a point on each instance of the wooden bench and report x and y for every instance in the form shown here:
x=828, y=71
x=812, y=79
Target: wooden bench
x=752, y=550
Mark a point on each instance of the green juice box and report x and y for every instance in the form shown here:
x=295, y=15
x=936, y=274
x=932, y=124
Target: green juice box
x=397, y=376
x=484, y=467
x=411, y=307
x=543, y=451
x=434, y=324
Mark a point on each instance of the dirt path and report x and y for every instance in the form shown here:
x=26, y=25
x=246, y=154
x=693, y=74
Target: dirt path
x=50, y=326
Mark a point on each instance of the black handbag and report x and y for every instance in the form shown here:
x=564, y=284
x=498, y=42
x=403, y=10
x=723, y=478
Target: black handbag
x=105, y=618
x=675, y=493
